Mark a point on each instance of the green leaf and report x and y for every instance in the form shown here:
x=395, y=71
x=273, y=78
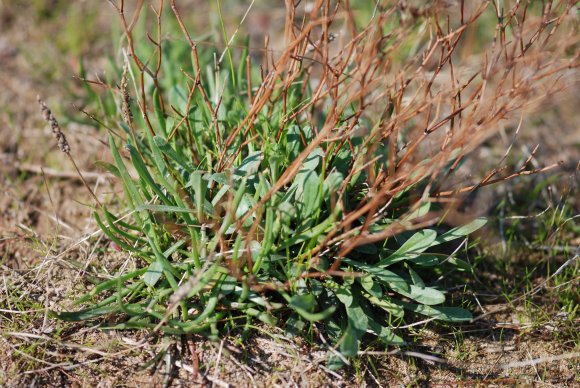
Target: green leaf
x=83, y=315
x=425, y=295
x=108, y=284
x=370, y=286
x=153, y=274
x=250, y=165
x=159, y=112
x=262, y=316
x=418, y=243
x=460, y=264
x=386, y=277
x=309, y=234
x=164, y=208
x=293, y=142
x=162, y=144
x=199, y=186
x=145, y=175
x=294, y=325
x=332, y=183
x=385, y=334
x=344, y=295
x=415, y=277
x=311, y=195
x=358, y=324
x=386, y=304
x=450, y=314
x=334, y=362
x=246, y=203
x=422, y=210
x=425, y=260
x=108, y=167
x=461, y=231
x=349, y=342
x=178, y=97
x=112, y=236
x=357, y=317
x=313, y=160
x=133, y=195
x=306, y=304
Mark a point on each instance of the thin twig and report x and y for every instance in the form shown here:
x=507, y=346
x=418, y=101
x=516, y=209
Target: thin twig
x=541, y=360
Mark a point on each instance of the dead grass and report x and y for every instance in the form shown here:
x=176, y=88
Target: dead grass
x=45, y=257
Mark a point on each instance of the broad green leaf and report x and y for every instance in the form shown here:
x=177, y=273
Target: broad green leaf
x=358, y=324
x=306, y=302
x=178, y=97
x=333, y=362
x=418, y=243
x=311, y=233
x=422, y=210
x=450, y=314
x=425, y=295
x=425, y=260
x=293, y=142
x=162, y=144
x=153, y=273
x=313, y=160
x=308, y=168
x=247, y=202
x=349, y=342
x=461, y=231
x=460, y=264
x=199, y=186
x=344, y=295
x=332, y=183
x=386, y=304
x=370, y=286
x=357, y=317
x=220, y=194
x=219, y=177
x=250, y=165
x=384, y=333
x=386, y=277
x=415, y=277
x=311, y=195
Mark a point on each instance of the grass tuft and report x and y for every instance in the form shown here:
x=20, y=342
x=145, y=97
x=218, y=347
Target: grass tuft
x=307, y=192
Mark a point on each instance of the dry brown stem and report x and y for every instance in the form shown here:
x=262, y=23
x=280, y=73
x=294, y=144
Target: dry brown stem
x=411, y=82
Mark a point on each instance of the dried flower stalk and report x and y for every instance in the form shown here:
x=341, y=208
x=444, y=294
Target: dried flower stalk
x=62, y=142
x=126, y=101
x=54, y=126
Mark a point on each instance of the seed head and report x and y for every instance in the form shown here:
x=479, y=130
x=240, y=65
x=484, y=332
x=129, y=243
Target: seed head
x=54, y=126
x=126, y=101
